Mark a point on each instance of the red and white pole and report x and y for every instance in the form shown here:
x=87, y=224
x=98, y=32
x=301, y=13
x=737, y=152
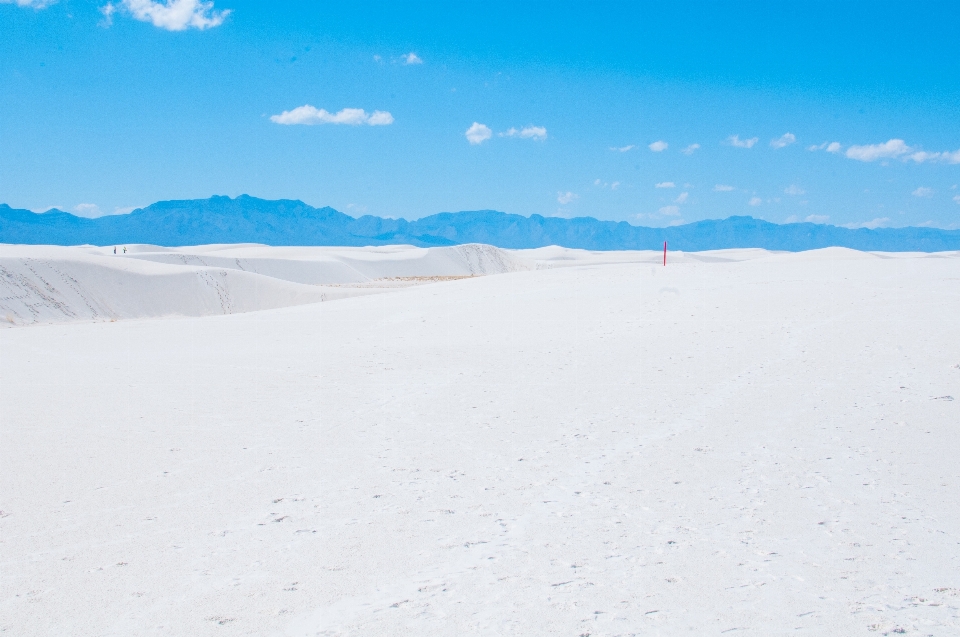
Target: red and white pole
x=664, y=253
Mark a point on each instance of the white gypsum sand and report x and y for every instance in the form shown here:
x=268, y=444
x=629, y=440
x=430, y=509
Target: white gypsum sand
x=54, y=284
x=742, y=442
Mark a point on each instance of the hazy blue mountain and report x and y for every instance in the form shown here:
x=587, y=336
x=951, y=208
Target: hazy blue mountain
x=250, y=220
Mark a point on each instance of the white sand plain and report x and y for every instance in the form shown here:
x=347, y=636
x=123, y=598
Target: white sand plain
x=592, y=444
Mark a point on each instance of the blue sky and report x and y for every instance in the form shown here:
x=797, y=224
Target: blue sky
x=641, y=112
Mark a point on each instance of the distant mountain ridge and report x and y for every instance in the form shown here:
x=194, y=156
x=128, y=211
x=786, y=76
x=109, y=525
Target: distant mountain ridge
x=246, y=219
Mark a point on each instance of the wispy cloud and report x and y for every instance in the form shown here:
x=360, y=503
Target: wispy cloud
x=734, y=140
x=755, y=201
x=172, y=15
x=308, y=115
x=658, y=146
x=722, y=188
x=794, y=189
x=31, y=4
x=411, y=58
x=602, y=184
x=922, y=192
x=689, y=150
x=666, y=184
x=566, y=197
x=478, y=133
x=670, y=211
x=833, y=147
x=538, y=133
x=785, y=140
x=956, y=198
x=879, y=222
x=947, y=157
x=682, y=197
x=817, y=218
x=622, y=149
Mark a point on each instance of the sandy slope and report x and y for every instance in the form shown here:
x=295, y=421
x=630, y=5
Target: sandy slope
x=54, y=284
x=761, y=445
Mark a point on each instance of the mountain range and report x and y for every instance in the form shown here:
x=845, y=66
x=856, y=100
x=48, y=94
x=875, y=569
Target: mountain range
x=246, y=219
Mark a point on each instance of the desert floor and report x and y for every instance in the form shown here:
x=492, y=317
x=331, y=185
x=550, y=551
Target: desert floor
x=575, y=444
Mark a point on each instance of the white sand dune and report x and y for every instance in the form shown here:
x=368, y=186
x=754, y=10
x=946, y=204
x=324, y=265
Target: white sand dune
x=751, y=444
x=45, y=284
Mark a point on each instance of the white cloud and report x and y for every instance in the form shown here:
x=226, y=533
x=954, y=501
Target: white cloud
x=478, y=133
x=834, y=147
x=87, y=210
x=755, y=201
x=879, y=222
x=794, y=189
x=957, y=199
x=742, y=143
x=890, y=149
x=33, y=4
x=947, y=157
x=411, y=58
x=538, y=133
x=817, y=218
x=671, y=211
x=785, y=140
x=172, y=15
x=689, y=150
x=623, y=149
x=682, y=198
x=722, y=188
x=666, y=184
x=566, y=197
x=658, y=146
x=308, y=115
x=602, y=184
x=922, y=192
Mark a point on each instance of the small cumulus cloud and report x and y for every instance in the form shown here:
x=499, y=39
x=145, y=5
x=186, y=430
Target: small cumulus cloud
x=689, y=150
x=785, y=140
x=682, y=198
x=538, y=133
x=722, y=188
x=622, y=149
x=755, y=201
x=956, y=198
x=734, y=140
x=879, y=222
x=898, y=149
x=566, y=197
x=872, y=152
x=478, y=133
x=833, y=147
x=922, y=192
x=172, y=15
x=666, y=184
x=817, y=218
x=670, y=211
x=794, y=189
x=307, y=115
x=658, y=146
x=411, y=58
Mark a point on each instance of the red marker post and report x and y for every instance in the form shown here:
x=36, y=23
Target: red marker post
x=664, y=253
